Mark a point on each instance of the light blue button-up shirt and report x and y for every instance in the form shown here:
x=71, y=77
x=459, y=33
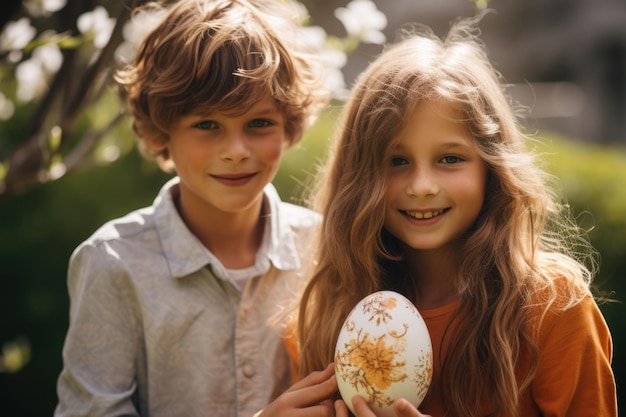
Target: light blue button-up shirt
x=158, y=329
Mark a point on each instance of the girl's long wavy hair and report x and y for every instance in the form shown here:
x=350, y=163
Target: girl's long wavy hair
x=523, y=240
x=220, y=55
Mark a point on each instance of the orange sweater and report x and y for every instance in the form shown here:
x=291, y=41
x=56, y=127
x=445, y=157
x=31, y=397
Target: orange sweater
x=574, y=376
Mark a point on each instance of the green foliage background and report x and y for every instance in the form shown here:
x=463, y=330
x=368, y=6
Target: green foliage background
x=40, y=228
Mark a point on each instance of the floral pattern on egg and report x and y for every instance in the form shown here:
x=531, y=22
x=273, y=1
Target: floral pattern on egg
x=383, y=352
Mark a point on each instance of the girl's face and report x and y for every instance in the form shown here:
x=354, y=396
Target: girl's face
x=225, y=161
x=436, y=179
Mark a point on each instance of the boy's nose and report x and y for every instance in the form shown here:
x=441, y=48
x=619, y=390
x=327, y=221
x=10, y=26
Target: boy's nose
x=235, y=148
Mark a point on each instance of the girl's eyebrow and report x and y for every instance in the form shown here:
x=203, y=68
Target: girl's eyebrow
x=456, y=145
x=448, y=145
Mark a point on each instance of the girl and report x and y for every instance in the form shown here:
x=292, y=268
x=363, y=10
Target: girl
x=430, y=191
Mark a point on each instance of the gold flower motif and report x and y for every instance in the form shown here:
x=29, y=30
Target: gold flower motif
x=369, y=363
x=379, y=308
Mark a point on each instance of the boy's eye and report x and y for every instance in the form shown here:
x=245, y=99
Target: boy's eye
x=398, y=160
x=206, y=124
x=260, y=123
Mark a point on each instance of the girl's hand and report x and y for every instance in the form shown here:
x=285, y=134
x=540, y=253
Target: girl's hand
x=401, y=407
x=309, y=397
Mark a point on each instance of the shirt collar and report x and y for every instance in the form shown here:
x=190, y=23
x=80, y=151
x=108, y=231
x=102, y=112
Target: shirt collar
x=281, y=246
x=185, y=254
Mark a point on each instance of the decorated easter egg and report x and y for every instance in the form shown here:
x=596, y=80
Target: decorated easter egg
x=383, y=353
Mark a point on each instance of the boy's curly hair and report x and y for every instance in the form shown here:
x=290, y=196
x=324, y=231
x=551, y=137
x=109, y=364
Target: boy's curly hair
x=219, y=55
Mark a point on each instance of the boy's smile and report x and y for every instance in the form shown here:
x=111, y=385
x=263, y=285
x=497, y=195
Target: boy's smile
x=233, y=180
x=436, y=179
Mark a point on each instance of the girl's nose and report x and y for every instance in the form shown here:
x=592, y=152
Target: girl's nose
x=235, y=148
x=423, y=183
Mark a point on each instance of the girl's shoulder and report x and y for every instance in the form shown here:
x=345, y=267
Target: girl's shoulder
x=574, y=350
x=561, y=304
x=559, y=282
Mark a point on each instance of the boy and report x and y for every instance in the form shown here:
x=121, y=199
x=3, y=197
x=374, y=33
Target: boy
x=173, y=306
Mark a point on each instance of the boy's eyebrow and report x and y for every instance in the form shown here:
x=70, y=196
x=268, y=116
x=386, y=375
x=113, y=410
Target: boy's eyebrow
x=264, y=111
x=267, y=108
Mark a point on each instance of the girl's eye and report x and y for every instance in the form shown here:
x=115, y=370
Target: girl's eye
x=398, y=160
x=260, y=123
x=450, y=159
x=206, y=124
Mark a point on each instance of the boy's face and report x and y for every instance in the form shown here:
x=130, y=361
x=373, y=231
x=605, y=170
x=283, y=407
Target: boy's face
x=225, y=161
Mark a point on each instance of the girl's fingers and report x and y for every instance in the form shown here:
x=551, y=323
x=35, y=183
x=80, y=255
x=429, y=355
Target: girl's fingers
x=403, y=408
x=361, y=408
x=310, y=397
x=314, y=389
x=341, y=409
x=314, y=378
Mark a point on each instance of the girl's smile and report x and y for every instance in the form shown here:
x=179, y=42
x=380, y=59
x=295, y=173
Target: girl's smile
x=425, y=214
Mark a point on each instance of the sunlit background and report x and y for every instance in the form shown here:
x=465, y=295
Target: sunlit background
x=68, y=161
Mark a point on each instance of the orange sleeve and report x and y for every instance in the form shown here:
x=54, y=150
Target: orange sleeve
x=291, y=344
x=574, y=376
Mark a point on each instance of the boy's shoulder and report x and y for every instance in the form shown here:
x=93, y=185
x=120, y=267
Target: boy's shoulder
x=137, y=227
x=128, y=226
x=139, y=223
x=299, y=216
x=290, y=215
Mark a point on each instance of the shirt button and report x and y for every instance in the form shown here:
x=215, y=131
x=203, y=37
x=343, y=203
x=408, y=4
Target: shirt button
x=248, y=371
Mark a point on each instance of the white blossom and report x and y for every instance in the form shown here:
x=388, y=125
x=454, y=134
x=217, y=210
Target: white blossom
x=33, y=74
x=42, y=8
x=16, y=35
x=330, y=59
x=31, y=81
x=363, y=21
x=50, y=58
x=7, y=108
x=97, y=23
x=313, y=38
x=301, y=11
x=335, y=81
x=134, y=31
x=141, y=23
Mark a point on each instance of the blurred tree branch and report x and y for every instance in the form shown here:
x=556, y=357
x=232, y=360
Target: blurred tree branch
x=74, y=87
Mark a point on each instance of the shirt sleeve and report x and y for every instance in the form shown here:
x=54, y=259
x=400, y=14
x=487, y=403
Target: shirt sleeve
x=574, y=376
x=99, y=371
